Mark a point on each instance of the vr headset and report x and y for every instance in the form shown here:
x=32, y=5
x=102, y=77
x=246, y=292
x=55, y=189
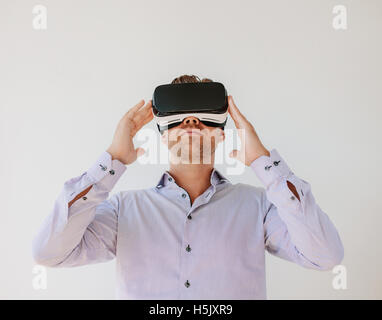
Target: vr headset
x=207, y=101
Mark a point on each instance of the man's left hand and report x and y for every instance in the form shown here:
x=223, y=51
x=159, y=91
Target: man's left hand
x=251, y=146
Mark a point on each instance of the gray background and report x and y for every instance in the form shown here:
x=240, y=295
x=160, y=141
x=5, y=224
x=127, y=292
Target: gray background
x=312, y=92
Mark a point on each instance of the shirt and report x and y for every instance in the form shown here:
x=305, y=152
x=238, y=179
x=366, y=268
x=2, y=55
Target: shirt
x=166, y=248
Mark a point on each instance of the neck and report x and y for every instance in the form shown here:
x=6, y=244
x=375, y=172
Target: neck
x=194, y=178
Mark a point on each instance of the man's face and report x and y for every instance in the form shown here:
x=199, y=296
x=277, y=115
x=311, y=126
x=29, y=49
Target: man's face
x=192, y=142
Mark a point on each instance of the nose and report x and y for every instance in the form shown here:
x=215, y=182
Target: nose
x=191, y=121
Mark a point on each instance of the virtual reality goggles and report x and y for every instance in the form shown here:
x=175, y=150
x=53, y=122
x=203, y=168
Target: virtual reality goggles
x=207, y=101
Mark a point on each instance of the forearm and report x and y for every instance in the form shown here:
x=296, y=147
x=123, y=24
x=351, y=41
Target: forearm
x=80, y=195
x=64, y=228
x=311, y=231
x=313, y=236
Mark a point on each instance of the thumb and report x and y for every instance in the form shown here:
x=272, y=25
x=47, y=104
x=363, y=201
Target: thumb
x=233, y=153
x=140, y=151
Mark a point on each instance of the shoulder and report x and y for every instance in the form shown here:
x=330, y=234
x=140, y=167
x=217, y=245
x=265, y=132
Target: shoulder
x=247, y=190
x=248, y=194
x=242, y=192
x=128, y=196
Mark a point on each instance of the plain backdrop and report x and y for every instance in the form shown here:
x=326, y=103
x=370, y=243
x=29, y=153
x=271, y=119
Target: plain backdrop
x=312, y=92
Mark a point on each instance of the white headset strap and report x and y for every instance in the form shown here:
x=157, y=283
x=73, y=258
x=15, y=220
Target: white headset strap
x=212, y=117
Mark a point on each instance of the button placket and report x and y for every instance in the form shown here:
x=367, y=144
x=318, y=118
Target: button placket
x=184, y=256
x=184, y=196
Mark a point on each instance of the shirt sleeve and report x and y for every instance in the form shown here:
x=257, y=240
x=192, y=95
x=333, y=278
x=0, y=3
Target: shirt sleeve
x=86, y=232
x=295, y=230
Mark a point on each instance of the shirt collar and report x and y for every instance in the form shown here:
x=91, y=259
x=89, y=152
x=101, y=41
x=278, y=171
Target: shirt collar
x=215, y=179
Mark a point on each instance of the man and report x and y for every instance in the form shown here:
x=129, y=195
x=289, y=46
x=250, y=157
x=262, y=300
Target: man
x=194, y=235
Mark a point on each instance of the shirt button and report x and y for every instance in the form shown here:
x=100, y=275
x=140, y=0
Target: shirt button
x=292, y=198
x=276, y=163
x=84, y=198
x=103, y=167
x=112, y=172
x=169, y=179
x=189, y=217
x=184, y=195
x=187, y=284
x=188, y=248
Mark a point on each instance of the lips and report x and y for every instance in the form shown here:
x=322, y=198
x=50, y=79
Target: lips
x=190, y=133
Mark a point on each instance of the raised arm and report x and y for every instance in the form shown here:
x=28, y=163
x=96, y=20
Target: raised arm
x=295, y=227
x=82, y=226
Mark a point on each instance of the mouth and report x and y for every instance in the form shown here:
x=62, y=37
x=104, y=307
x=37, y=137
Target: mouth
x=191, y=133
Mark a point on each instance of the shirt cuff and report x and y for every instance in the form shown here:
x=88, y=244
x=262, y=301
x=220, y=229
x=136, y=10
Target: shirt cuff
x=269, y=169
x=106, y=171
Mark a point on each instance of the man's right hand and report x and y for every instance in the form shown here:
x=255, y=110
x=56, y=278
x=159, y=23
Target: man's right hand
x=122, y=147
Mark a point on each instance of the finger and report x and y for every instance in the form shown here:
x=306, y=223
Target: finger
x=139, y=124
x=233, y=109
x=141, y=113
x=146, y=107
x=136, y=107
x=239, y=119
x=147, y=119
x=141, y=116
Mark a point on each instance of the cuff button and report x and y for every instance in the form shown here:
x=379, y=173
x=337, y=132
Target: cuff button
x=84, y=198
x=111, y=171
x=276, y=163
x=292, y=198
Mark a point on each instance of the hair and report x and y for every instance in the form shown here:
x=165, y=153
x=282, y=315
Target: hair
x=189, y=79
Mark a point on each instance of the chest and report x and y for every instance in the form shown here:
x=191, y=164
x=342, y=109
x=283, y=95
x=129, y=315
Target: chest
x=162, y=229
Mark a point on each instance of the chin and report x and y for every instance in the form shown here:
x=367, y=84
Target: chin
x=183, y=157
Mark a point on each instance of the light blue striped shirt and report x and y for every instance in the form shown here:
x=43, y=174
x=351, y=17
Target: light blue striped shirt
x=166, y=248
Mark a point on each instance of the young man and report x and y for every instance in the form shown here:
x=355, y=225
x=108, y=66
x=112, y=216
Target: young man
x=194, y=235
